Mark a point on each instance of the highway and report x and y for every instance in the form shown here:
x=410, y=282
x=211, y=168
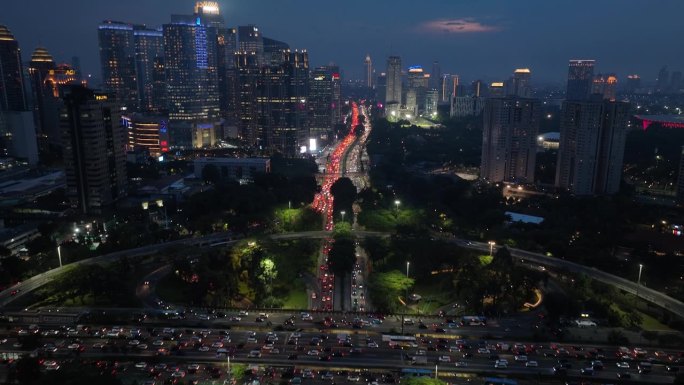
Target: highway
x=459, y=349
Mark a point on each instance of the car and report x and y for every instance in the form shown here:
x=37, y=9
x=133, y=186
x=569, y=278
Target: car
x=587, y=371
x=141, y=365
x=243, y=313
x=622, y=365
x=597, y=365
x=483, y=351
x=178, y=374
x=420, y=352
x=192, y=368
x=624, y=375
x=444, y=359
x=254, y=354
x=327, y=376
x=500, y=364
x=313, y=352
x=203, y=348
x=353, y=377
x=459, y=364
x=531, y=364
x=521, y=358
x=296, y=381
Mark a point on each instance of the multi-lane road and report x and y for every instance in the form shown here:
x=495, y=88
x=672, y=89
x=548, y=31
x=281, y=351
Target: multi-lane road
x=310, y=345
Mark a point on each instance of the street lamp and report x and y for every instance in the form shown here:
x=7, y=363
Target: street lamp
x=491, y=247
x=343, y=212
x=396, y=204
x=59, y=254
x=641, y=266
x=160, y=204
x=407, y=268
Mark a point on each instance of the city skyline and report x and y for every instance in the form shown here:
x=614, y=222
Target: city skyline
x=472, y=39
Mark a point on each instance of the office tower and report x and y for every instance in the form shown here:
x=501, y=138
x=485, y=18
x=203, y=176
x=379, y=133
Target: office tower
x=251, y=40
x=676, y=81
x=336, y=106
x=17, y=129
x=149, y=49
x=519, y=84
x=273, y=51
x=497, y=90
x=94, y=149
x=393, y=89
x=160, y=102
x=431, y=101
x=247, y=67
x=368, y=71
x=322, y=102
x=12, y=90
x=45, y=103
x=592, y=146
x=663, y=80
x=605, y=85
x=118, y=62
x=281, y=103
x=580, y=77
x=435, y=76
x=418, y=82
x=148, y=132
x=477, y=88
x=633, y=83
x=509, y=139
x=191, y=68
x=462, y=106
x=227, y=76
x=680, y=179
x=454, y=83
x=381, y=87
x=444, y=90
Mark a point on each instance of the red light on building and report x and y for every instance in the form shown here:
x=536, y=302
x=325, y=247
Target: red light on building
x=335, y=76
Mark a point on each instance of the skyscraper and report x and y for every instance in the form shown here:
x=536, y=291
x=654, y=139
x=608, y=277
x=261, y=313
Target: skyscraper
x=273, y=51
x=17, y=129
x=45, y=106
x=519, y=85
x=191, y=68
x=94, y=150
x=663, y=81
x=592, y=146
x=149, y=49
x=580, y=77
x=509, y=139
x=393, y=90
x=12, y=90
x=381, y=87
x=247, y=67
x=368, y=71
x=435, y=76
x=633, y=83
x=605, y=85
x=250, y=39
x=322, y=102
x=118, y=62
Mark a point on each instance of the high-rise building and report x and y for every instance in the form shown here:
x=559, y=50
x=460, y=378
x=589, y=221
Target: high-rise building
x=605, y=85
x=248, y=71
x=497, y=90
x=509, y=139
x=680, y=179
x=118, y=62
x=381, y=87
x=273, y=51
x=663, y=81
x=393, y=89
x=149, y=49
x=45, y=106
x=250, y=40
x=227, y=74
x=147, y=132
x=592, y=146
x=435, y=76
x=368, y=71
x=431, y=101
x=191, y=68
x=12, y=90
x=519, y=85
x=633, y=83
x=418, y=82
x=94, y=149
x=324, y=101
x=478, y=88
x=580, y=77
x=462, y=106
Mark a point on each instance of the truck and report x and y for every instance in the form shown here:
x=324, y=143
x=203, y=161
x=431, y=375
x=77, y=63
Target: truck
x=419, y=360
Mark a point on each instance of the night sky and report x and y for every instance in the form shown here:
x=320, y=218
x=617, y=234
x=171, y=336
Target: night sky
x=473, y=38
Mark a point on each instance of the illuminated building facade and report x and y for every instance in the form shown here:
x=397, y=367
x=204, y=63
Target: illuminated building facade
x=381, y=87
x=393, y=89
x=368, y=71
x=149, y=54
x=94, y=145
x=519, y=85
x=248, y=71
x=250, y=40
x=462, y=106
x=605, y=85
x=118, y=62
x=580, y=77
x=497, y=90
x=322, y=102
x=417, y=86
x=45, y=106
x=509, y=139
x=147, y=132
x=633, y=83
x=592, y=146
x=12, y=90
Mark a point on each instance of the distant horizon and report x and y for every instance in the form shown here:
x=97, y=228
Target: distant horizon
x=476, y=40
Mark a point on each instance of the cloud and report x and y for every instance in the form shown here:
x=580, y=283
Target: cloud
x=464, y=25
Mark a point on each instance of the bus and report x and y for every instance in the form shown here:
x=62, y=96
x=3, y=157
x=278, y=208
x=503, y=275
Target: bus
x=400, y=342
x=410, y=372
x=499, y=381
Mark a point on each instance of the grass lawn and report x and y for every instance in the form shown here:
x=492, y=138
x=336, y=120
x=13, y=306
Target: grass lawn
x=651, y=324
x=296, y=298
x=434, y=297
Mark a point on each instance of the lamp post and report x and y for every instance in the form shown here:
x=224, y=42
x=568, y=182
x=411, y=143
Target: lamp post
x=160, y=204
x=396, y=204
x=491, y=247
x=407, y=268
x=641, y=266
x=59, y=254
x=343, y=212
